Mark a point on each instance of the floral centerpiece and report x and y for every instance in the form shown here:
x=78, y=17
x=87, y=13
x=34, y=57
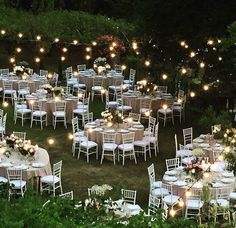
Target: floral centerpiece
x=146, y=88
x=22, y=69
x=10, y=140
x=230, y=137
x=100, y=65
x=26, y=148
x=112, y=117
x=194, y=169
x=57, y=90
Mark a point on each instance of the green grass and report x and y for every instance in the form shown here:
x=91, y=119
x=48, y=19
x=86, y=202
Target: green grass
x=77, y=175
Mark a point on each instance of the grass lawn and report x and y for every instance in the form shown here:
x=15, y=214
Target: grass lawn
x=77, y=175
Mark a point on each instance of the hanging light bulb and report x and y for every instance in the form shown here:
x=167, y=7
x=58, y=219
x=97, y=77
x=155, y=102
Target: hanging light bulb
x=64, y=49
x=206, y=87
x=88, y=49
x=38, y=37
x=87, y=57
x=20, y=35
x=192, y=54
x=12, y=60
x=202, y=64
x=18, y=49
x=37, y=59
x=147, y=63
x=192, y=94
x=63, y=58
x=41, y=49
x=75, y=42
x=56, y=40
x=164, y=76
x=3, y=32
x=94, y=43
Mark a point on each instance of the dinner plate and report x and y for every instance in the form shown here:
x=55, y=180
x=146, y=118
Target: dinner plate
x=138, y=126
x=110, y=130
x=197, y=185
x=171, y=173
x=132, y=129
x=123, y=131
x=6, y=164
x=98, y=129
x=198, y=140
x=227, y=174
x=22, y=166
x=217, y=185
x=204, y=145
x=180, y=183
x=38, y=165
x=169, y=178
x=227, y=180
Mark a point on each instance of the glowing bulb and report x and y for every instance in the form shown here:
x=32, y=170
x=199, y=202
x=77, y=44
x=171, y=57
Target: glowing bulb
x=192, y=54
x=182, y=43
x=221, y=158
x=114, y=44
x=38, y=37
x=147, y=113
x=147, y=63
x=111, y=48
x=202, y=64
x=186, y=46
x=220, y=58
x=75, y=73
x=94, y=43
x=227, y=149
x=181, y=203
x=124, y=87
x=64, y=49
x=51, y=141
x=210, y=42
x=3, y=32
x=172, y=212
x=103, y=91
x=20, y=35
x=188, y=193
x=63, y=58
x=75, y=42
x=37, y=59
x=164, y=106
x=206, y=87
x=12, y=60
x=88, y=49
x=41, y=50
x=123, y=67
x=179, y=101
x=164, y=76
x=113, y=55
x=183, y=71
x=5, y=104
x=206, y=175
x=87, y=57
x=219, y=41
x=109, y=124
x=192, y=94
x=56, y=40
x=49, y=76
x=134, y=45
x=18, y=50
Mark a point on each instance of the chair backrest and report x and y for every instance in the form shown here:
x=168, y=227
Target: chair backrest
x=87, y=118
x=119, y=81
x=223, y=193
x=7, y=85
x=57, y=169
x=145, y=103
x=36, y=105
x=81, y=67
x=162, y=89
x=153, y=204
x=132, y=74
x=67, y=195
x=151, y=175
x=23, y=85
x=20, y=135
x=1, y=113
x=172, y=163
x=151, y=123
x=180, y=94
x=128, y=138
x=93, y=191
x=55, y=77
x=188, y=135
x=157, y=130
x=129, y=196
x=43, y=73
x=195, y=193
x=109, y=138
x=118, y=68
x=69, y=69
x=98, y=81
x=14, y=174
x=75, y=125
x=60, y=106
x=69, y=75
x=176, y=145
x=4, y=72
x=136, y=117
x=4, y=122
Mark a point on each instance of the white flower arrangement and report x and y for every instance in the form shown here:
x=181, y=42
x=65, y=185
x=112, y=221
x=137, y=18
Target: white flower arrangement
x=198, y=152
x=18, y=68
x=100, y=190
x=100, y=64
x=47, y=86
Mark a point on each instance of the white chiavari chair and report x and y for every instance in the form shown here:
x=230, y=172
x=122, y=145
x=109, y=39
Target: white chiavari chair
x=59, y=114
x=109, y=146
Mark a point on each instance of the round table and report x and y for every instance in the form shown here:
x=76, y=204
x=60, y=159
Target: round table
x=39, y=167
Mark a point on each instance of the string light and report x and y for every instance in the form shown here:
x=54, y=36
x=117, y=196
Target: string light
x=3, y=32
x=75, y=42
x=123, y=67
x=37, y=59
x=56, y=40
x=164, y=106
x=192, y=54
x=202, y=64
x=188, y=193
x=182, y=43
x=87, y=57
x=20, y=35
x=94, y=43
x=219, y=41
x=134, y=45
x=210, y=42
x=181, y=203
x=147, y=63
x=192, y=94
x=206, y=87
x=70, y=136
x=111, y=48
x=38, y=37
x=5, y=104
x=41, y=49
x=113, y=55
x=186, y=46
x=18, y=49
x=164, y=76
x=12, y=60
x=114, y=44
x=63, y=58
x=51, y=141
x=88, y=49
x=64, y=49
x=220, y=58
x=172, y=212
x=183, y=71
x=75, y=73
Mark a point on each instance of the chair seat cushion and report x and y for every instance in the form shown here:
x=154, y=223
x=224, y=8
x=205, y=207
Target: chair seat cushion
x=164, y=111
x=88, y=144
x=151, y=139
x=79, y=111
x=18, y=183
x=232, y=195
x=59, y=114
x=3, y=180
x=156, y=184
x=81, y=106
x=23, y=91
x=144, y=110
x=189, y=146
x=96, y=88
x=20, y=106
x=220, y=202
x=171, y=199
x=113, y=87
x=50, y=179
x=112, y=103
x=109, y=146
x=23, y=110
x=124, y=107
x=126, y=146
x=128, y=81
x=9, y=91
x=183, y=153
x=160, y=192
x=80, y=139
x=39, y=113
x=79, y=85
x=194, y=204
x=141, y=142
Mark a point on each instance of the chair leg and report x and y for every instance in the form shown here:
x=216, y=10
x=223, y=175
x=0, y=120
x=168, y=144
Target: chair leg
x=134, y=157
